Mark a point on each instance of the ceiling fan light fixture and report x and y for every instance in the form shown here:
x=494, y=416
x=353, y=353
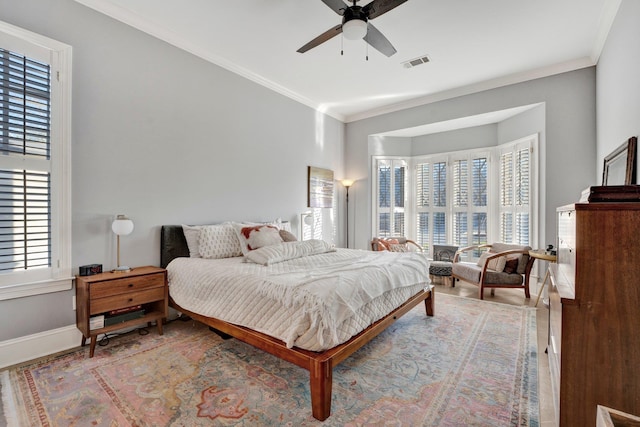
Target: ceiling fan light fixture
x=354, y=29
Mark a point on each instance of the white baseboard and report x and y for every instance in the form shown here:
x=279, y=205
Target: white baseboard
x=30, y=347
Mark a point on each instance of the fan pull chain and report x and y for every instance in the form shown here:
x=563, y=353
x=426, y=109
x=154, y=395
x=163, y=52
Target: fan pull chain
x=341, y=44
x=367, y=52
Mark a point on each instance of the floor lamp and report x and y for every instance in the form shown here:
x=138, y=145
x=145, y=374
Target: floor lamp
x=347, y=183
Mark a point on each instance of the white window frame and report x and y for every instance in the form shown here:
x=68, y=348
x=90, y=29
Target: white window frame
x=492, y=154
x=532, y=143
x=59, y=56
x=470, y=209
x=375, y=193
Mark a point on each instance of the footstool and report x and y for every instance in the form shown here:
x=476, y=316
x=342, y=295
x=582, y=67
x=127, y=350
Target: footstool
x=440, y=273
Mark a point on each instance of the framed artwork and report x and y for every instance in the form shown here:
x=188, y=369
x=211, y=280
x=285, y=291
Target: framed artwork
x=319, y=188
x=620, y=165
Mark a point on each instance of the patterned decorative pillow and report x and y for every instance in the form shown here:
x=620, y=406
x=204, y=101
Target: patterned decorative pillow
x=398, y=247
x=495, y=264
x=218, y=241
x=191, y=234
x=252, y=237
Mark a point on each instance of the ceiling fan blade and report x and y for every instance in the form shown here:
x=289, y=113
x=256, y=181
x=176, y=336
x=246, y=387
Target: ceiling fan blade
x=337, y=6
x=375, y=38
x=378, y=7
x=329, y=34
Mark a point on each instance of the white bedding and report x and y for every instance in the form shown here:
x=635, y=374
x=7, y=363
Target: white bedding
x=313, y=302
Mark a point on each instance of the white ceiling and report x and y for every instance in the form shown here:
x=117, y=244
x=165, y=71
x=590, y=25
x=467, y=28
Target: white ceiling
x=473, y=45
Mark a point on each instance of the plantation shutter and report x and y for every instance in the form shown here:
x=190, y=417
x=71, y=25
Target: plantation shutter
x=460, y=202
x=470, y=197
x=391, y=197
x=25, y=182
x=515, y=195
x=423, y=196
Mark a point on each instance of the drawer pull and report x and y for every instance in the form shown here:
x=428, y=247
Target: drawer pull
x=131, y=285
x=130, y=299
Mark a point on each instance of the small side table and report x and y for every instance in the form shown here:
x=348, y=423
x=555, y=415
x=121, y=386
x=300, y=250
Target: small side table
x=542, y=255
x=104, y=293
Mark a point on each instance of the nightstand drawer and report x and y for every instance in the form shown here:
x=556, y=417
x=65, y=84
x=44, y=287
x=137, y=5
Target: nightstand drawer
x=125, y=285
x=114, y=302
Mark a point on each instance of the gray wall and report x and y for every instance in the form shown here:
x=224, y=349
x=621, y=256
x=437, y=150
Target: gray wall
x=565, y=122
x=618, y=84
x=455, y=140
x=166, y=138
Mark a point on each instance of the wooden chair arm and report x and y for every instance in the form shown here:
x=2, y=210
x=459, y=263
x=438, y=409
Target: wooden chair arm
x=416, y=245
x=509, y=252
x=456, y=257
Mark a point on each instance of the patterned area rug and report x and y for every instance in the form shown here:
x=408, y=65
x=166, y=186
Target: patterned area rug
x=473, y=364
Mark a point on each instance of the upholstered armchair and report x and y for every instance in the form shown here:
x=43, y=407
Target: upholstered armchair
x=501, y=266
x=394, y=244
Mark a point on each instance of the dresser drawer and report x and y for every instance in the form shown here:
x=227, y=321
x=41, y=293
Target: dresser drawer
x=102, y=305
x=126, y=285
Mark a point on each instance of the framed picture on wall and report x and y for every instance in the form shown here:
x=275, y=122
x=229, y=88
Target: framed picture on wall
x=319, y=188
x=620, y=165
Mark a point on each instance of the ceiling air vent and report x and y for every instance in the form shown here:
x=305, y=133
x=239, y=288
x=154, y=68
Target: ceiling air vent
x=415, y=62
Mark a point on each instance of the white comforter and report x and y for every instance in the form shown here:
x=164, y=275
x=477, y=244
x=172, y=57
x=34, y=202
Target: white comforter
x=313, y=302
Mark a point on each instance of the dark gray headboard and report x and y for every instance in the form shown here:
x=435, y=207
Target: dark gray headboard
x=172, y=244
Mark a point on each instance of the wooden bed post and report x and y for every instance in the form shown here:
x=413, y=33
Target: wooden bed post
x=320, y=383
x=429, y=303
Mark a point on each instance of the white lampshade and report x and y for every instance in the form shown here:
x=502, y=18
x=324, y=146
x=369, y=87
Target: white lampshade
x=308, y=218
x=355, y=29
x=122, y=225
x=347, y=182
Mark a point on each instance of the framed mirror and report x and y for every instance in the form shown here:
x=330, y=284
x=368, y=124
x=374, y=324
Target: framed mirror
x=620, y=165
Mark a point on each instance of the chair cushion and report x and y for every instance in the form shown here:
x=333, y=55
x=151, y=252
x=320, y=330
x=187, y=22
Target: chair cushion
x=523, y=259
x=440, y=268
x=470, y=272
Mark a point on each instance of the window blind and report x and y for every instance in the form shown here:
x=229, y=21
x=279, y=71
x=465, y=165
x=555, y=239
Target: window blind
x=25, y=134
x=391, y=197
x=515, y=190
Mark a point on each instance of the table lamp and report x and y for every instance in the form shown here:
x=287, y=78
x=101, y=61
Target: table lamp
x=121, y=226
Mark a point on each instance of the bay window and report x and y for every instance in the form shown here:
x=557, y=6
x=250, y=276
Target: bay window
x=460, y=198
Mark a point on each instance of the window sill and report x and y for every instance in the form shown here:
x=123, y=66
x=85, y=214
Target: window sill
x=37, y=288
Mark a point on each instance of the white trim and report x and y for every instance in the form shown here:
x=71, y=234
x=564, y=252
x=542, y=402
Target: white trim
x=607, y=17
x=59, y=56
x=475, y=88
x=143, y=24
x=31, y=347
x=22, y=290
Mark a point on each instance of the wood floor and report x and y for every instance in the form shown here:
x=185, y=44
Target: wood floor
x=516, y=297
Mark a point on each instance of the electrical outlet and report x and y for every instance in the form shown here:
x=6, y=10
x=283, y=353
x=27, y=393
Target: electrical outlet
x=73, y=302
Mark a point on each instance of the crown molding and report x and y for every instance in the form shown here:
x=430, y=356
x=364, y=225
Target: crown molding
x=143, y=24
x=476, y=87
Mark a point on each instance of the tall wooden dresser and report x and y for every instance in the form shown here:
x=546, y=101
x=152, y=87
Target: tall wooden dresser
x=594, y=311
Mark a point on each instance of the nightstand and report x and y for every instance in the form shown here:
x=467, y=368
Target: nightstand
x=124, y=299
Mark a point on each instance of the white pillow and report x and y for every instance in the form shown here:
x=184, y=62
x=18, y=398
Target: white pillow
x=191, y=234
x=218, y=241
x=253, y=237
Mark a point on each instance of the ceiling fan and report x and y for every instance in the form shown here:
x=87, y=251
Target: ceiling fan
x=355, y=24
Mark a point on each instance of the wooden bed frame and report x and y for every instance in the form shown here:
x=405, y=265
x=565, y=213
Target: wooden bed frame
x=319, y=364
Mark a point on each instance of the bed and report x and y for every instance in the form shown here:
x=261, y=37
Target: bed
x=313, y=343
